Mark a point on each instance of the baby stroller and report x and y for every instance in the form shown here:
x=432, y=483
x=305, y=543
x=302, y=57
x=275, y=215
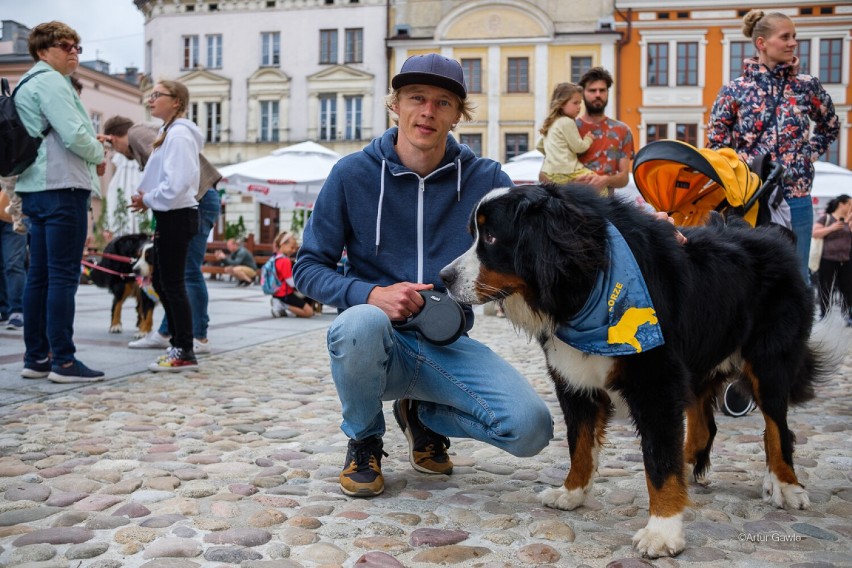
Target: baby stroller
x=689, y=183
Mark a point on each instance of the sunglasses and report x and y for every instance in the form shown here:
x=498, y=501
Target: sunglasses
x=68, y=47
x=156, y=95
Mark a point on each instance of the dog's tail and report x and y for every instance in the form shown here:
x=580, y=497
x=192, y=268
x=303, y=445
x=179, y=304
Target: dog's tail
x=827, y=347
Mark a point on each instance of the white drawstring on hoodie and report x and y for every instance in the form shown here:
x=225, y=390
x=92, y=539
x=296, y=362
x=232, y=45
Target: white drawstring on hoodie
x=421, y=187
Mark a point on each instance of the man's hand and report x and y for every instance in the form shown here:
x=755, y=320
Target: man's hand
x=399, y=301
x=101, y=169
x=599, y=182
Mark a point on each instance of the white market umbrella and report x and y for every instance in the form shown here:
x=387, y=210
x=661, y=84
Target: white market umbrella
x=288, y=178
x=524, y=168
x=830, y=181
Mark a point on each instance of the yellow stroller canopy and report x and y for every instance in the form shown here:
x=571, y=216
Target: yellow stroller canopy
x=688, y=183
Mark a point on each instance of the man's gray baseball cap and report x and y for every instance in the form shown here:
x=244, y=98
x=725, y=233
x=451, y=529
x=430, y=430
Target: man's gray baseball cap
x=432, y=69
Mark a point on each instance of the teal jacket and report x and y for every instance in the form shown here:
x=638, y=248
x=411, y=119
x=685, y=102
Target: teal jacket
x=69, y=153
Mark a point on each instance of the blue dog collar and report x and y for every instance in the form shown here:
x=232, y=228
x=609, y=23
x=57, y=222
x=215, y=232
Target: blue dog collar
x=619, y=317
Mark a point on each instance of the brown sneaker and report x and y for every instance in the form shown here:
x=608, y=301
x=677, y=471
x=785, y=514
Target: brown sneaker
x=362, y=472
x=427, y=450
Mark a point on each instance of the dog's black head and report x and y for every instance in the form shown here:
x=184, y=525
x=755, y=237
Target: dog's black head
x=543, y=242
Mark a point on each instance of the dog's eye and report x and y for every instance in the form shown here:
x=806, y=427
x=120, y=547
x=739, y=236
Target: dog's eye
x=488, y=238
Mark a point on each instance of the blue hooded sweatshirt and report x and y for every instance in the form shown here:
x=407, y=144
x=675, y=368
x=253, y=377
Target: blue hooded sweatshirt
x=396, y=226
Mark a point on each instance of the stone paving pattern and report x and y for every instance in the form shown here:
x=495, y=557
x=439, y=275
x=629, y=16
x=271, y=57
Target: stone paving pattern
x=237, y=464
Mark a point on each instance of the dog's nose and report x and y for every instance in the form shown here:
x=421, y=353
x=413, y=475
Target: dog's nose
x=448, y=275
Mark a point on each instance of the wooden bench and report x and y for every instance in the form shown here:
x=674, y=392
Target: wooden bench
x=212, y=266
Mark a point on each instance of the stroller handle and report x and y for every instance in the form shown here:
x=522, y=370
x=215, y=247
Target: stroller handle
x=760, y=165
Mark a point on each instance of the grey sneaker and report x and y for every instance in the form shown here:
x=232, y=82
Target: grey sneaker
x=151, y=341
x=201, y=347
x=16, y=322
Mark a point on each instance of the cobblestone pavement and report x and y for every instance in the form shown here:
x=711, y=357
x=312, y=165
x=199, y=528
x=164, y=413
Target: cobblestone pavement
x=237, y=464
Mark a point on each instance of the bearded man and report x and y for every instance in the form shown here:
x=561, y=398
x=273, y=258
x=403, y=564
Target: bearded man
x=610, y=154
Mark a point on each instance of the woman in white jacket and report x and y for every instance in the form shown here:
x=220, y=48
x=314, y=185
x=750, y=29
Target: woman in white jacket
x=168, y=188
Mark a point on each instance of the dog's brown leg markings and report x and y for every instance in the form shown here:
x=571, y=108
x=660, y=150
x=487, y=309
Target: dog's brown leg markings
x=663, y=535
x=586, y=416
x=780, y=485
x=144, y=313
x=117, y=304
x=700, y=432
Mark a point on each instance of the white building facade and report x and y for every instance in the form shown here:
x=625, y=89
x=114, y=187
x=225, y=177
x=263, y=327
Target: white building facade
x=270, y=73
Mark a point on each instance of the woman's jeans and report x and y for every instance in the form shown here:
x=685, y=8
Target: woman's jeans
x=57, y=235
x=196, y=288
x=466, y=390
x=175, y=229
x=13, y=269
x=802, y=218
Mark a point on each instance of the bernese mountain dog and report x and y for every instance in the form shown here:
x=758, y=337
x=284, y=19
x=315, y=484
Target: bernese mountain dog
x=117, y=275
x=622, y=309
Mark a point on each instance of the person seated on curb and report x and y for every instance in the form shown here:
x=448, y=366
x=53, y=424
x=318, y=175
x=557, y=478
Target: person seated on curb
x=240, y=263
x=287, y=301
x=395, y=248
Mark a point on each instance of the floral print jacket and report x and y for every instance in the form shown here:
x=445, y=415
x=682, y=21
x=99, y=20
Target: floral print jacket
x=742, y=119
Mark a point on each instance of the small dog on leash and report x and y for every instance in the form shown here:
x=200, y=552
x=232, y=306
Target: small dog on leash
x=117, y=275
x=621, y=309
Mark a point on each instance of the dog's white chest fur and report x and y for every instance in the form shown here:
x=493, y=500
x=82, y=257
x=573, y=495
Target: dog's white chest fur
x=583, y=371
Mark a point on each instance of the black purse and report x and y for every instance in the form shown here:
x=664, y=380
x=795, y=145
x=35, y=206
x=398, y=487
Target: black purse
x=441, y=320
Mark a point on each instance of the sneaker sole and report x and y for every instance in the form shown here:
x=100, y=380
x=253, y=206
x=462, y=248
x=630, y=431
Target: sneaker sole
x=62, y=379
x=410, y=438
x=31, y=374
x=362, y=492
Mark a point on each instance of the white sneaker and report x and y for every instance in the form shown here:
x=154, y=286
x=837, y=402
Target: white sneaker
x=201, y=346
x=151, y=341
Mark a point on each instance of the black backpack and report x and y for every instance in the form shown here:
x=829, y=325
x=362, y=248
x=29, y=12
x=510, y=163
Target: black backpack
x=17, y=148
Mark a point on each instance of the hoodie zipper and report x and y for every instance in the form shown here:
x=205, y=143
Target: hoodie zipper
x=420, y=198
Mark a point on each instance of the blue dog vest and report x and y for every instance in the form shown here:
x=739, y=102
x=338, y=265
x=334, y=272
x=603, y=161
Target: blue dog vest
x=619, y=316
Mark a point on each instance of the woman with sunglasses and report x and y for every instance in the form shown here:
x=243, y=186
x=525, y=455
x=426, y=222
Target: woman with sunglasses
x=55, y=193
x=168, y=188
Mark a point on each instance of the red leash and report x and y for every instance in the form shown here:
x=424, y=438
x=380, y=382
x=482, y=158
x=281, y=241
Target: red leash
x=107, y=270
x=127, y=259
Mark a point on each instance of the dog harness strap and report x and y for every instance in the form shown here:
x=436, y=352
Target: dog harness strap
x=619, y=316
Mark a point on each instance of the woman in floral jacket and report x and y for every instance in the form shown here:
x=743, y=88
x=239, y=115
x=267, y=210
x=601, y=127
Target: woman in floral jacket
x=769, y=109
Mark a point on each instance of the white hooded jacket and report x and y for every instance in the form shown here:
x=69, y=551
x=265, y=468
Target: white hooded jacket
x=170, y=179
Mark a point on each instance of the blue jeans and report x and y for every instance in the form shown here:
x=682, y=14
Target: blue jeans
x=13, y=273
x=802, y=217
x=466, y=390
x=196, y=287
x=57, y=235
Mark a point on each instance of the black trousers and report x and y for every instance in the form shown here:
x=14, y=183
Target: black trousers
x=834, y=275
x=175, y=230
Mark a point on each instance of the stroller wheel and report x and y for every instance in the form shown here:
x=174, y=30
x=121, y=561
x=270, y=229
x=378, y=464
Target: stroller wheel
x=735, y=403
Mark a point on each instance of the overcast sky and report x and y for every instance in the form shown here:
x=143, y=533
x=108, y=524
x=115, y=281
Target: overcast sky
x=110, y=30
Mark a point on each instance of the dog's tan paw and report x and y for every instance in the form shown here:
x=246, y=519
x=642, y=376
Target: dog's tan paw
x=115, y=328
x=782, y=494
x=561, y=498
x=662, y=536
x=139, y=334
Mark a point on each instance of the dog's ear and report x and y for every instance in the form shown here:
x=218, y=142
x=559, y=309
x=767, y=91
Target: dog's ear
x=561, y=247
